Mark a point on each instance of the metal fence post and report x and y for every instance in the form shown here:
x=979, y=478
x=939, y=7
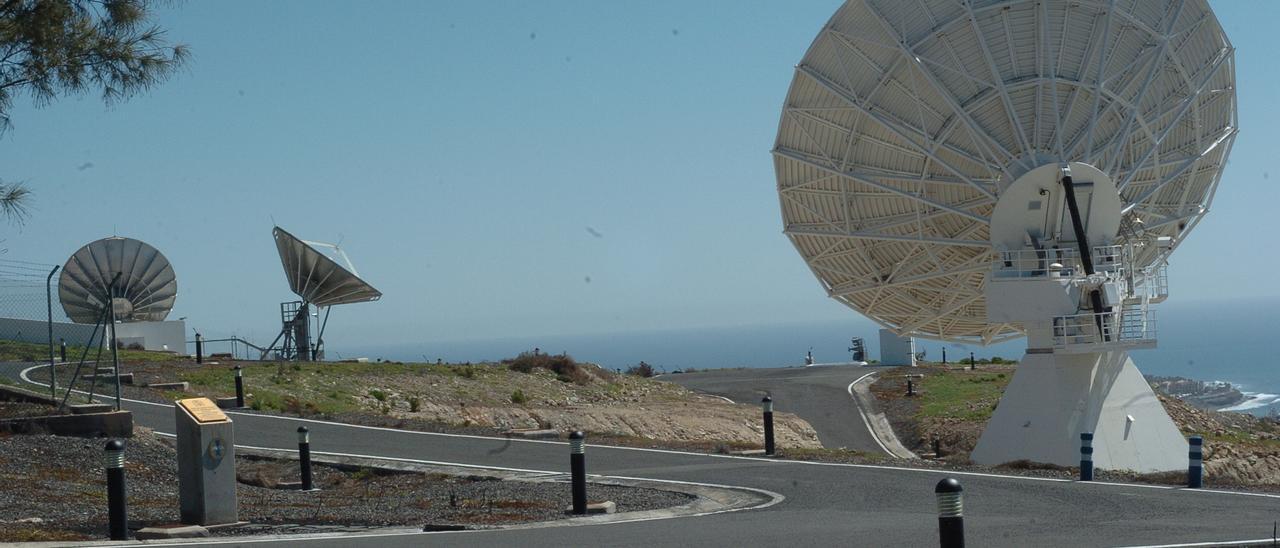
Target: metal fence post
x=304, y=456
x=1195, y=468
x=117, y=503
x=950, y=513
x=767, y=404
x=911, y=388
x=1086, y=456
x=578, y=471
x=48, y=297
x=199, y=349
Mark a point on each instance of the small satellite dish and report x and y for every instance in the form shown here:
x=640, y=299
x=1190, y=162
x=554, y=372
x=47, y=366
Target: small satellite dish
x=315, y=277
x=321, y=282
x=133, y=277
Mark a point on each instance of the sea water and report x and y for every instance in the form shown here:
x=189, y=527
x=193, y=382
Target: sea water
x=1227, y=341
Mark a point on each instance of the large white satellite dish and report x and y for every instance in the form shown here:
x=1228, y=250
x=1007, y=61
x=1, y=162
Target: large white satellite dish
x=925, y=161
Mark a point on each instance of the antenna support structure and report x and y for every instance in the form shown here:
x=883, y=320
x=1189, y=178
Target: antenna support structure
x=981, y=172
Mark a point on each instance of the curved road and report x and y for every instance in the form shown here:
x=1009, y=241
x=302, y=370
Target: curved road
x=818, y=395
x=825, y=504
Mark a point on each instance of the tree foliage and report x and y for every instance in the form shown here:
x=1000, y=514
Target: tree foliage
x=53, y=48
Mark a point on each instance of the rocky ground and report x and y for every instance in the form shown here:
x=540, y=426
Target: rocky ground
x=55, y=490
x=476, y=398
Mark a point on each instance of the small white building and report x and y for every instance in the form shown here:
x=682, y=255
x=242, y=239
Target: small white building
x=161, y=336
x=896, y=350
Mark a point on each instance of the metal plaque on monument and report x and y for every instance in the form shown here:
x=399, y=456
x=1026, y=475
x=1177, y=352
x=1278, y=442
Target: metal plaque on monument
x=206, y=463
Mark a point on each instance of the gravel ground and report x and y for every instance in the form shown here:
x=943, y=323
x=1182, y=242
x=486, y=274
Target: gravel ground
x=56, y=491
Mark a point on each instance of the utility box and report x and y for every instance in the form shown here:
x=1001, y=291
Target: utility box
x=896, y=350
x=206, y=463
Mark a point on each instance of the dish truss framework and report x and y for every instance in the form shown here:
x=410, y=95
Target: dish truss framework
x=907, y=119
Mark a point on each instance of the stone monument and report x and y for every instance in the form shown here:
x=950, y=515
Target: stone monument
x=206, y=463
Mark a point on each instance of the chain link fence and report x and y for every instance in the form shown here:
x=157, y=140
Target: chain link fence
x=29, y=307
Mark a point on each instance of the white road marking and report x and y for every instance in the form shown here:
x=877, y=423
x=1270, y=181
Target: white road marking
x=712, y=455
x=863, y=414
x=1257, y=542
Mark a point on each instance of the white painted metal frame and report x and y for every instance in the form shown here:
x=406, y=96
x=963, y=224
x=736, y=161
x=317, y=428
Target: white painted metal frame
x=906, y=119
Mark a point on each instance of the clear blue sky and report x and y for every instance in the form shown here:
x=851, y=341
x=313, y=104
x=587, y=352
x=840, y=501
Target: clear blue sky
x=462, y=149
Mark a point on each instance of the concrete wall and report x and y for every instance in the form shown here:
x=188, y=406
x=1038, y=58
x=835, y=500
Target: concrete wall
x=168, y=335
x=895, y=350
x=36, y=331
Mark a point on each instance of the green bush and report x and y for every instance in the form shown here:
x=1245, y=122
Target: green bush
x=518, y=397
x=415, y=404
x=378, y=394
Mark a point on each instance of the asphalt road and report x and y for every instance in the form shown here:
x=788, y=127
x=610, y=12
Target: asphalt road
x=818, y=395
x=825, y=504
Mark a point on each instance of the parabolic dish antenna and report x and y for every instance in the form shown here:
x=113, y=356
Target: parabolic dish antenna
x=907, y=121
x=315, y=277
x=321, y=282
x=132, y=276
x=979, y=171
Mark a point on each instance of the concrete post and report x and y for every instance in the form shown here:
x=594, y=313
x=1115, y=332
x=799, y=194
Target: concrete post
x=1086, y=456
x=578, y=471
x=767, y=404
x=239, y=387
x=1195, y=468
x=950, y=513
x=304, y=456
x=117, y=501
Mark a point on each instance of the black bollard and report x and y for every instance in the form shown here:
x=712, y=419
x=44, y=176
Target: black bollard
x=950, y=513
x=911, y=388
x=767, y=403
x=117, y=504
x=973, y=364
x=937, y=448
x=578, y=471
x=944, y=355
x=64, y=349
x=304, y=456
x=199, y=349
x=239, y=387
x=1195, y=468
x=1086, y=456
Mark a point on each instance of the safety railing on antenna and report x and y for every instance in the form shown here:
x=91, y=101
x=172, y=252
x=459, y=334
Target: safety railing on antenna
x=1153, y=283
x=1131, y=326
x=1034, y=263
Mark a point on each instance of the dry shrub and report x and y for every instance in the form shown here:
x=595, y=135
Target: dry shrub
x=563, y=365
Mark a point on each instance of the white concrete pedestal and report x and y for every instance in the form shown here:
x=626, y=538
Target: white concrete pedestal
x=1054, y=397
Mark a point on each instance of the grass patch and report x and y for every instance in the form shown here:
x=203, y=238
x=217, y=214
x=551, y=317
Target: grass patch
x=968, y=395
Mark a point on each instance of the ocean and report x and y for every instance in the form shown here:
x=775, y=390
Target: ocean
x=1226, y=341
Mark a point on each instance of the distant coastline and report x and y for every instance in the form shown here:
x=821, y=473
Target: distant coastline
x=1215, y=395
